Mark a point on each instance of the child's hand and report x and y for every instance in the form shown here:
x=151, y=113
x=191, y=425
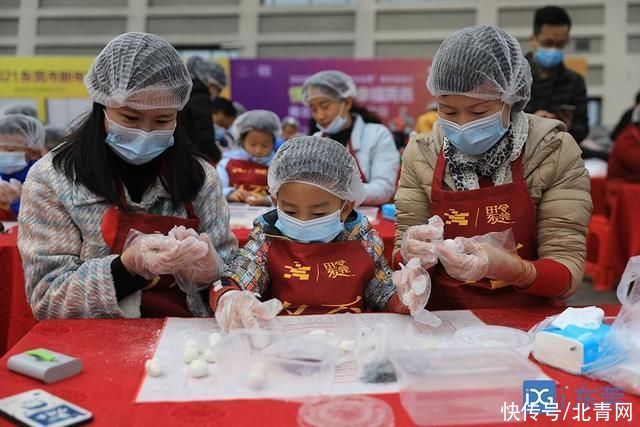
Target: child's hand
x=238, y=196
x=258, y=200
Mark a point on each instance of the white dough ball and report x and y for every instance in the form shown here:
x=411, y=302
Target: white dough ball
x=192, y=343
x=198, y=368
x=153, y=367
x=190, y=354
x=347, y=346
x=257, y=377
x=210, y=355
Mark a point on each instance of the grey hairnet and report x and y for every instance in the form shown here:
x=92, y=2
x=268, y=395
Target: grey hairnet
x=29, y=128
x=331, y=83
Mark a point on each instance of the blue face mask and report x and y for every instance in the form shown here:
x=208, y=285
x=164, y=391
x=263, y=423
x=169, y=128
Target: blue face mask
x=264, y=161
x=336, y=125
x=475, y=137
x=12, y=162
x=136, y=146
x=323, y=229
x=548, y=57
x=218, y=133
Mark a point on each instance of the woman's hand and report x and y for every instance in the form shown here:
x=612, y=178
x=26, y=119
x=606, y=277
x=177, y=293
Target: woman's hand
x=417, y=242
x=10, y=191
x=238, y=196
x=243, y=310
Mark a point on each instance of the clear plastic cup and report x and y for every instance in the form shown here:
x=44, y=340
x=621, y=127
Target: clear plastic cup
x=346, y=411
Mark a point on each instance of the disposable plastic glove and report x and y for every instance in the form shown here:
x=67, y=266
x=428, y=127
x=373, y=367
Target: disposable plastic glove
x=417, y=242
x=470, y=260
x=203, y=265
x=10, y=191
x=243, y=310
x=413, y=285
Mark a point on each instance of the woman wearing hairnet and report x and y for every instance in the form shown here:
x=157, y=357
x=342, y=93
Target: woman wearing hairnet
x=489, y=167
x=330, y=95
x=21, y=142
x=243, y=172
x=125, y=166
x=314, y=254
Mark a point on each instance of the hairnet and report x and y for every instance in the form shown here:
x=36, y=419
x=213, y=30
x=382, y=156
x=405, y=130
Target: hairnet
x=321, y=162
x=140, y=71
x=208, y=72
x=24, y=109
x=331, y=83
x=290, y=121
x=27, y=127
x=261, y=120
x=482, y=62
x=53, y=136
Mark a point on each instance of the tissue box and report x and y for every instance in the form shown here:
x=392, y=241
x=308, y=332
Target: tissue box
x=573, y=349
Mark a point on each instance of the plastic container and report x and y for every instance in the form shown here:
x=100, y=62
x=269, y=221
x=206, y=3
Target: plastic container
x=346, y=411
x=461, y=386
x=274, y=364
x=371, y=212
x=489, y=336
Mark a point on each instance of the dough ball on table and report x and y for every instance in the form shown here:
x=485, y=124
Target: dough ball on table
x=198, y=368
x=190, y=354
x=153, y=367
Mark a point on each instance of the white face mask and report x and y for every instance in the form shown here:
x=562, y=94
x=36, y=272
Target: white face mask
x=12, y=162
x=336, y=125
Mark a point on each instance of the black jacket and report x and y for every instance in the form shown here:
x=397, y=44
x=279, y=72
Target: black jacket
x=563, y=87
x=196, y=119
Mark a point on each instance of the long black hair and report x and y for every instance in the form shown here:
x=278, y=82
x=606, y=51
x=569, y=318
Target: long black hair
x=85, y=158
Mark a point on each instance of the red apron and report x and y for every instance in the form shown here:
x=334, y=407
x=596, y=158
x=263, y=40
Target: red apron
x=248, y=175
x=319, y=278
x=165, y=298
x=476, y=212
x=6, y=214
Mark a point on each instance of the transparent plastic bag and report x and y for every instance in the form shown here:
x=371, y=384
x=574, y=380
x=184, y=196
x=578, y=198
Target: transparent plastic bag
x=413, y=285
x=619, y=361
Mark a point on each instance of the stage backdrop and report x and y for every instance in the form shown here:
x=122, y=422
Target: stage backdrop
x=383, y=85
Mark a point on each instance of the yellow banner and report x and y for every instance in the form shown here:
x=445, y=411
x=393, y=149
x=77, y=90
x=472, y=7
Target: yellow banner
x=40, y=77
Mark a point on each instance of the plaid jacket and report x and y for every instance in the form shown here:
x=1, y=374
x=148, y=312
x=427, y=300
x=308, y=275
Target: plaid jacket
x=67, y=264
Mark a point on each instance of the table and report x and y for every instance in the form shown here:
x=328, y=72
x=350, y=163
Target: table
x=15, y=315
x=18, y=319
x=114, y=350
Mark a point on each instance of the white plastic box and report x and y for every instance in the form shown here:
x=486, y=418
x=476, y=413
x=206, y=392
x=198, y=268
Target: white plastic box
x=461, y=386
x=292, y=365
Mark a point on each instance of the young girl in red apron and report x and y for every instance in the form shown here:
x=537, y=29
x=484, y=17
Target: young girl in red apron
x=244, y=172
x=314, y=253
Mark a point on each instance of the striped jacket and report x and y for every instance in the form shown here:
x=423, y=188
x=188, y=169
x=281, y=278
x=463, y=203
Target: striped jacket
x=66, y=261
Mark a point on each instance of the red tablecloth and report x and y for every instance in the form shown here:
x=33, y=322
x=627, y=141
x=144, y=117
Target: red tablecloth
x=114, y=351
x=624, y=234
x=13, y=307
x=17, y=320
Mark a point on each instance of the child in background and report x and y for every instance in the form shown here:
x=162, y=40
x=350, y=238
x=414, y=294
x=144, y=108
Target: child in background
x=243, y=172
x=21, y=144
x=314, y=254
x=223, y=114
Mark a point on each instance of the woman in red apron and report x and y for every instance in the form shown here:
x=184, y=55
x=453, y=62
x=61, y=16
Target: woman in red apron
x=330, y=96
x=244, y=172
x=314, y=254
x=126, y=166
x=488, y=167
